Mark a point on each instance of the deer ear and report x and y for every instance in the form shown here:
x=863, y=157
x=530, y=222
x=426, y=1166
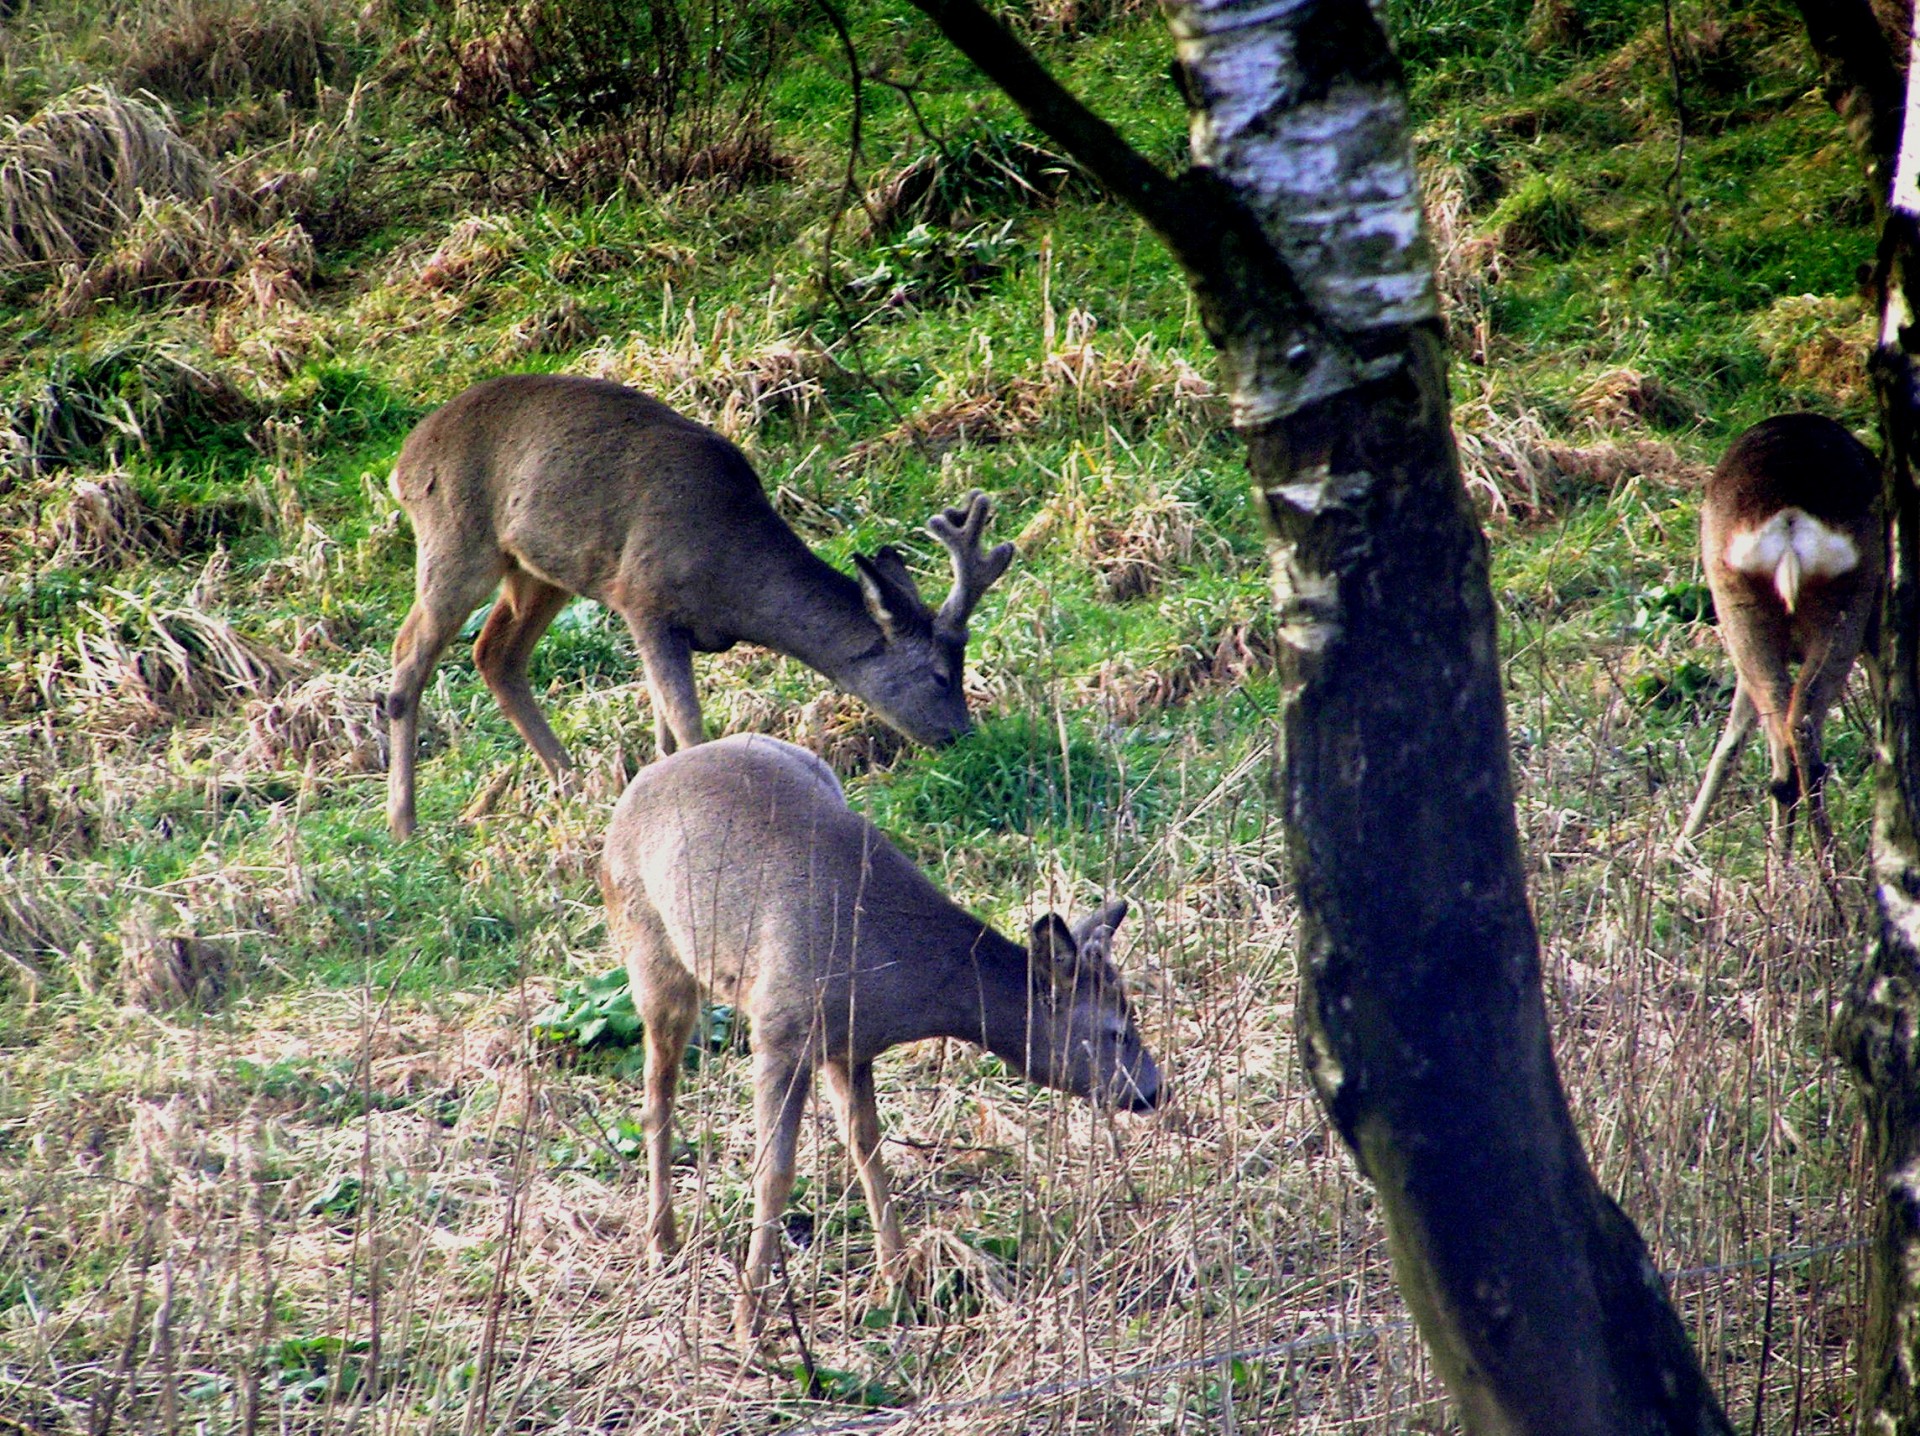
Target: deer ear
x=888, y=588
x=1099, y=925
x=873, y=588
x=1053, y=948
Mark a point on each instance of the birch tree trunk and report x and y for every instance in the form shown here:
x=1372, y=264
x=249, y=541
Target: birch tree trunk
x=1421, y=1017
x=1878, y=1028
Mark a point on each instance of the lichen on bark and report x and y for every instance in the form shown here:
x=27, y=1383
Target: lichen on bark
x=1299, y=110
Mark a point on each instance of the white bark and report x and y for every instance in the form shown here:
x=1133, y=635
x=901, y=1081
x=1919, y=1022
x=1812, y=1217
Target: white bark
x=1330, y=176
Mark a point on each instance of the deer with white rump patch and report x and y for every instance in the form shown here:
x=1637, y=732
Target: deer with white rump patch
x=737, y=869
x=1794, y=545
x=548, y=486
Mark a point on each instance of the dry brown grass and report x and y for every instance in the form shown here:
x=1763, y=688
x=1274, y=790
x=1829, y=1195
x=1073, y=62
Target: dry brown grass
x=331, y=721
x=631, y=158
x=150, y=661
x=1122, y=526
x=102, y=195
x=1516, y=468
x=45, y=811
x=334, y=1205
x=98, y=520
x=74, y=176
x=307, y=1193
x=836, y=726
x=189, y=50
x=165, y=966
x=561, y=326
x=1467, y=265
x=193, y=254
x=1133, y=557
x=949, y=187
x=1078, y=382
x=1130, y=687
x=104, y=524
x=48, y=924
x=1072, y=17
x=474, y=250
x=731, y=374
x=1627, y=399
x=1817, y=345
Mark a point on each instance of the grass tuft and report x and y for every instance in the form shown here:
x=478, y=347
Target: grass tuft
x=194, y=51
x=966, y=178
x=162, y=967
x=80, y=172
x=144, y=662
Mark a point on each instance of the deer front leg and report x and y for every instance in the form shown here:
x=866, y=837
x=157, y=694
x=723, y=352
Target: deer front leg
x=444, y=595
x=851, y=1087
x=525, y=608
x=780, y=1098
x=667, y=656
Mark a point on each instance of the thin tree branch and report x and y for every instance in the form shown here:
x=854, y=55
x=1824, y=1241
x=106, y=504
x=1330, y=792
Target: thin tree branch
x=1166, y=204
x=1250, y=301
x=849, y=191
x=1679, y=231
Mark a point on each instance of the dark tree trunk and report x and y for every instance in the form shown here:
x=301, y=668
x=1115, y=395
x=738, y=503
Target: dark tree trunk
x=1878, y=1027
x=1421, y=1016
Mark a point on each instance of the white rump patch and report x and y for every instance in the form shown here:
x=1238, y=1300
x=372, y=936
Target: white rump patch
x=1790, y=547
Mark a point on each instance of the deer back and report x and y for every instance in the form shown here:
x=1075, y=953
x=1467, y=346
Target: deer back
x=600, y=490
x=775, y=896
x=608, y=493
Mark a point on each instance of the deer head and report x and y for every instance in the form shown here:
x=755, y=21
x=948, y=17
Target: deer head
x=1081, y=1034
x=914, y=677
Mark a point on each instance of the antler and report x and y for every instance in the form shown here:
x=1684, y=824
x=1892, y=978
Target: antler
x=974, y=572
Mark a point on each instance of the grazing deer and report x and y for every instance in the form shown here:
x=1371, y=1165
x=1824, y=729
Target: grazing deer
x=736, y=868
x=548, y=486
x=1795, y=551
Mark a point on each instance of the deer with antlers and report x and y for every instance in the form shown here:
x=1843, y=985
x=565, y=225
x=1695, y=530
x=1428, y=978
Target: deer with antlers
x=548, y=486
x=1794, y=545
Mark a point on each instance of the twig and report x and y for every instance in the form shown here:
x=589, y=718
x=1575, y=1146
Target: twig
x=1678, y=229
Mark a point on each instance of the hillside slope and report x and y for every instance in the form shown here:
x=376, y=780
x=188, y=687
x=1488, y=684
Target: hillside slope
x=301, y=1125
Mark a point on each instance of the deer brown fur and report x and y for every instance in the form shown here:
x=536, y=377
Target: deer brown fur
x=1794, y=545
x=736, y=869
x=547, y=486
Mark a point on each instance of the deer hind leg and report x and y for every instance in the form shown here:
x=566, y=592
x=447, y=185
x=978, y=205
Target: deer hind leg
x=1784, y=783
x=667, y=655
x=525, y=608
x=780, y=1086
x=1813, y=697
x=1758, y=638
x=666, y=1045
x=850, y=1085
x=669, y=1005
x=1726, y=754
x=447, y=587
